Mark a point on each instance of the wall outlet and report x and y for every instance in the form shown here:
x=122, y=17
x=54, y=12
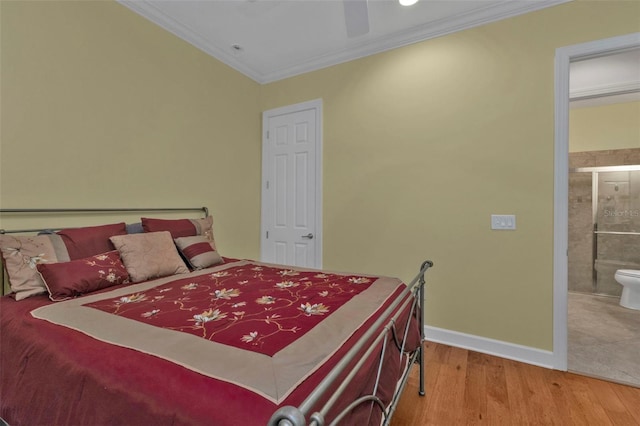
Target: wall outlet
x=503, y=221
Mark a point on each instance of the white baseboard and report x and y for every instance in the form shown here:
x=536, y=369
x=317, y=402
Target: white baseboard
x=499, y=348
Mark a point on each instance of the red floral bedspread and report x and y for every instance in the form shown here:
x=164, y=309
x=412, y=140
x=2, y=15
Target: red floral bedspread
x=261, y=327
x=252, y=307
x=130, y=372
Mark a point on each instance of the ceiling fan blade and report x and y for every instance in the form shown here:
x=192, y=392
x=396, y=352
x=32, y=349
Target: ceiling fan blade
x=356, y=17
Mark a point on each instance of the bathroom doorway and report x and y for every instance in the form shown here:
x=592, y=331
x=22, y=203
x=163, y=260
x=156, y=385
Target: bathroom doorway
x=603, y=218
x=603, y=212
x=565, y=61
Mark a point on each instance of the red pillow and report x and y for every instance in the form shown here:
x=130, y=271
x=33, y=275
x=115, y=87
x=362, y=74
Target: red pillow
x=90, y=240
x=71, y=279
x=180, y=227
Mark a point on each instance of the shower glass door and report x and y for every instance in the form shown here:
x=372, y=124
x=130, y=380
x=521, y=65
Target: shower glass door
x=616, y=224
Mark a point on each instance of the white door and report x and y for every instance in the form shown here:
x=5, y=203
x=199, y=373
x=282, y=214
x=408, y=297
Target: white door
x=291, y=185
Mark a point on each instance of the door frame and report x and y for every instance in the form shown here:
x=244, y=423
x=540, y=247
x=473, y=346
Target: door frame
x=564, y=56
x=316, y=105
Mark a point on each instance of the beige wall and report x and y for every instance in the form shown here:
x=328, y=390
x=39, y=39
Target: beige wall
x=605, y=127
x=101, y=108
x=423, y=143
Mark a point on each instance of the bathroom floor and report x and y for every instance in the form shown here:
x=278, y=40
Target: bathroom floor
x=604, y=338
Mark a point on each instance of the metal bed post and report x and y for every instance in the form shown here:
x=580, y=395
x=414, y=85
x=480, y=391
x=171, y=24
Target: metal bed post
x=421, y=391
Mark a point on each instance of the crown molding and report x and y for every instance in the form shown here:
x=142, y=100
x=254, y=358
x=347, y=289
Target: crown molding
x=605, y=90
x=424, y=32
x=480, y=16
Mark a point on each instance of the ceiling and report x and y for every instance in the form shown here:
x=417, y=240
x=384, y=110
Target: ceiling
x=269, y=40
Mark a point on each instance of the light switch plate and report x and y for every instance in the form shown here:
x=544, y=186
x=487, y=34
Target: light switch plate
x=503, y=221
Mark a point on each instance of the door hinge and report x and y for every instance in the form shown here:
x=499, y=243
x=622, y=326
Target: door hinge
x=267, y=134
x=267, y=235
x=267, y=184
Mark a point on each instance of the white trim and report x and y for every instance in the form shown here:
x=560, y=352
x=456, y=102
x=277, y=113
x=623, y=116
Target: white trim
x=316, y=105
x=499, y=348
x=564, y=56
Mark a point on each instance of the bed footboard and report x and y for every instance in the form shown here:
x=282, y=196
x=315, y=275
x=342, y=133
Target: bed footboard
x=365, y=349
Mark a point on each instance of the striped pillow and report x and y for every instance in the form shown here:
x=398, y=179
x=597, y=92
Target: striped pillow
x=199, y=251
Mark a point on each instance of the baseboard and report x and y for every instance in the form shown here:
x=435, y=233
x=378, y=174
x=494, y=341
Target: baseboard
x=499, y=348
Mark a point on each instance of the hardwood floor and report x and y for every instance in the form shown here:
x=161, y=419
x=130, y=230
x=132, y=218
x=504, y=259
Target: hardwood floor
x=468, y=388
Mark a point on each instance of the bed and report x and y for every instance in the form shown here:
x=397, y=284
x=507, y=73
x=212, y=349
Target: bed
x=146, y=323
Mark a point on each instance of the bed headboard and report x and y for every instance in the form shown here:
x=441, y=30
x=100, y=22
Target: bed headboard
x=43, y=219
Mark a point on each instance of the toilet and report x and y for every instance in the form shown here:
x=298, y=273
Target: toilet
x=630, y=281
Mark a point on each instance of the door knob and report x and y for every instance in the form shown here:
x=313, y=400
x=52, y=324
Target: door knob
x=309, y=236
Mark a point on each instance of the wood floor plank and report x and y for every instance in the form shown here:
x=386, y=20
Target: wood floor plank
x=467, y=388
x=475, y=397
x=541, y=399
x=498, y=408
x=518, y=393
x=611, y=403
x=586, y=400
x=451, y=374
x=565, y=403
x=630, y=398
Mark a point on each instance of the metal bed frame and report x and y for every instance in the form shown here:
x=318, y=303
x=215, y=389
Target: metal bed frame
x=304, y=414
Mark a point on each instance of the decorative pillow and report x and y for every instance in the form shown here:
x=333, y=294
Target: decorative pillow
x=149, y=255
x=199, y=251
x=71, y=279
x=21, y=254
x=90, y=240
x=181, y=227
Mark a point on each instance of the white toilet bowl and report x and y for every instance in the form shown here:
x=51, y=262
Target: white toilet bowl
x=630, y=281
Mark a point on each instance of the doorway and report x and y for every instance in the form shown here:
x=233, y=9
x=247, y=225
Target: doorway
x=564, y=57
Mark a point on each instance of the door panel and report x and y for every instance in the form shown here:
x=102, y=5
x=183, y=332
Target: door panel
x=301, y=201
x=280, y=191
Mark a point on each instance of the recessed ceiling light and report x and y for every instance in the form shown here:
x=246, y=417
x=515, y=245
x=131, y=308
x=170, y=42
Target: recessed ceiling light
x=407, y=2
